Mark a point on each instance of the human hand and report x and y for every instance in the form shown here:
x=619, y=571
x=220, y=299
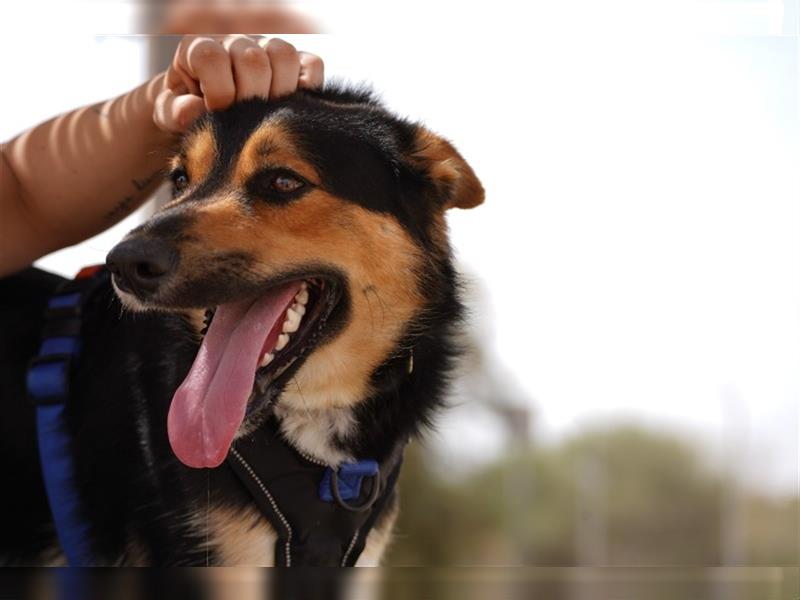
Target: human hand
x=211, y=72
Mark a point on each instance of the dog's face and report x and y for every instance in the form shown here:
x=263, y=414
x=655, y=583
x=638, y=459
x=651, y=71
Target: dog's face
x=313, y=227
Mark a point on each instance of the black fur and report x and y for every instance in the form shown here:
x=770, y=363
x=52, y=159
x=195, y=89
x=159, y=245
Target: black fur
x=361, y=149
x=132, y=485
x=404, y=403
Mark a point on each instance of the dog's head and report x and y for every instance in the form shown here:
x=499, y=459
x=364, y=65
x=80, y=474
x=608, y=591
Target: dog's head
x=313, y=227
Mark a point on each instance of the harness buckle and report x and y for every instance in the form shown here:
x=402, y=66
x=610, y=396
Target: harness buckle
x=344, y=483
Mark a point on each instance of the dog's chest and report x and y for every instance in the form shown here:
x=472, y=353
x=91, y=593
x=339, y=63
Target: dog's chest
x=244, y=537
x=241, y=537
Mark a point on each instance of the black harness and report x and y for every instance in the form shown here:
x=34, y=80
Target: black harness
x=322, y=515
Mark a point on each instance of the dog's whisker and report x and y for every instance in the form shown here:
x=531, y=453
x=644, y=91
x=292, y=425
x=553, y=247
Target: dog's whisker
x=383, y=306
x=305, y=406
x=369, y=306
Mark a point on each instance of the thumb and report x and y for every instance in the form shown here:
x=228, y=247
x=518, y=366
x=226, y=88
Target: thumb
x=175, y=113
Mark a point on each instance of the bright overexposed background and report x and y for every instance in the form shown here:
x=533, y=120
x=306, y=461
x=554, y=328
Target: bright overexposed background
x=638, y=254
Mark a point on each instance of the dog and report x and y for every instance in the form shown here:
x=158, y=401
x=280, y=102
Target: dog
x=301, y=275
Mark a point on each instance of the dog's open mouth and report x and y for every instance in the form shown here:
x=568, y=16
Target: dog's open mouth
x=248, y=349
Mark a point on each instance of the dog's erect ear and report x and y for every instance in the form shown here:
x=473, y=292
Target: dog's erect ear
x=454, y=179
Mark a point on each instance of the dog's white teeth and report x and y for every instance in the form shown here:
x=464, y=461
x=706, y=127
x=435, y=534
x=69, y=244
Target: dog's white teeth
x=292, y=321
x=283, y=339
x=300, y=309
x=267, y=358
x=302, y=296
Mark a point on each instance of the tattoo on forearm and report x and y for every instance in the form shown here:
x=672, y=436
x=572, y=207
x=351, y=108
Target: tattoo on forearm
x=129, y=202
x=140, y=185
x=121, y=209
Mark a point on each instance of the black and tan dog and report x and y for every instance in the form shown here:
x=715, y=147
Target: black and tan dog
x=313, y=227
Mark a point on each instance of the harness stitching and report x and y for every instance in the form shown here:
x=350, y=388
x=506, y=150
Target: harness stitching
x=311, y=459
x=350, y=548
x=272, y=503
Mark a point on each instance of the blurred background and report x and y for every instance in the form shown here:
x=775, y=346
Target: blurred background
x=631, y=392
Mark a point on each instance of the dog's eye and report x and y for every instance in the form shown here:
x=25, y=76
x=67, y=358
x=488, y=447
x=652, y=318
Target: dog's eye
x=180, y=180
x=277, y=185
x=286, y=184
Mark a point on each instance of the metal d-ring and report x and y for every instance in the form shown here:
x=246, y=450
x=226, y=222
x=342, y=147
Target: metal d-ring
x=373, y=496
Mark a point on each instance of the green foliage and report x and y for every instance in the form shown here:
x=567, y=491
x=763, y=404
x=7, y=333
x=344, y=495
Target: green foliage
x=621, y=496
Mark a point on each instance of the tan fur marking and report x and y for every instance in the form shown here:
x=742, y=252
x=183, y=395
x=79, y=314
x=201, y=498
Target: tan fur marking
x=196, y=319
x=197, y=157
x=448, y=170
x=201, y=149
x=378, y=540
x=242, y=537
x=271, y=145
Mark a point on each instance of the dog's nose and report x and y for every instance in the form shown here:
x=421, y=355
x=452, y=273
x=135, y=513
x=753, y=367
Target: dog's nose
x=141, y=265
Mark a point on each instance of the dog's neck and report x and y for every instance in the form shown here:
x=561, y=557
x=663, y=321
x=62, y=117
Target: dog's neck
x=316, y=432
x=336, y=434
x=406, y=392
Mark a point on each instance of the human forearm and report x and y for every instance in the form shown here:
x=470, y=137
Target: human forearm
x=79, y=173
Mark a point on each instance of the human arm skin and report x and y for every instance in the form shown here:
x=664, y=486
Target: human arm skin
x=79, y=173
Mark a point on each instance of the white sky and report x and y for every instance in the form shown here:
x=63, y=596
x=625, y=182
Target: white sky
x=640, y=243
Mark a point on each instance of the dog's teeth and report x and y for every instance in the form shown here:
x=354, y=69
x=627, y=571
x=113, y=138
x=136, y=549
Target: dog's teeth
x=292, y=321
x=283, y=339
x=266, y=359
x=302, y=296
x=300, y=309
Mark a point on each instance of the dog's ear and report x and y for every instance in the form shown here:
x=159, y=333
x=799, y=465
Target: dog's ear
x=455, y=181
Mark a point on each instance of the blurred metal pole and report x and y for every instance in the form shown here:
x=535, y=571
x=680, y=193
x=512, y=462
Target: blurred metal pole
x=732, y=509
x=733, y=530
x=591, y=519
x=591, y=527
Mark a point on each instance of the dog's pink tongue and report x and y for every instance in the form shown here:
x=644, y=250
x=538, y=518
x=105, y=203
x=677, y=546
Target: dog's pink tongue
x=210, y=404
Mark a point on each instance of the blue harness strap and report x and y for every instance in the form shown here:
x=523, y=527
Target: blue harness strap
x=47, y=382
